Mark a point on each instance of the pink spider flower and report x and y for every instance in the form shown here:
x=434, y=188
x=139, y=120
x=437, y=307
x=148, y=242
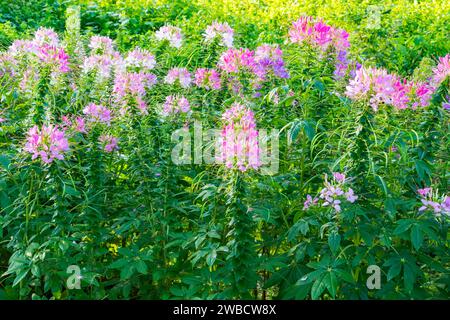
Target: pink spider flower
x=54, y=56
x=47, y=142
x=181, y=74
x=46, y=36
x=100, y=45
x=176, y=105
x=442, y=70
x=133, y=85
x=334, y=194
x=431, y=201
x=237, y=60
x=109, y=143
x=207, y=78
x=269, y=58
x=97, y=113
x=239, y=147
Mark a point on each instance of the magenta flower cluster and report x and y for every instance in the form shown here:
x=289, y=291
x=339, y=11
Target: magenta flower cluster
x=109, y=143
x=208, y=79
x=103, y=59
x=47, y=142
x=239, y=147
x=324, y=37
x=269, y=59
x=44, y=51
x=97, y=113
x=379, y=87
x=442, y=70
x=333, y=194
x=133, y=85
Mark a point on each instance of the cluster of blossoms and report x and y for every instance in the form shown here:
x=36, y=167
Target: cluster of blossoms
x=333, y=194
x=101, y=45
x=432, y=202
x=139, y=60
x=77, y=123
x=171, y=34
x=380, y=87
x=44, y=51
x=97, y=113
x=234, y=61
x=181, y=74
x=239, y=139
x=176, y=104
x=222, y=31
x=442, y=70
x=267, y=60
x=208, y=79
x=109, y=143
x=136, y=85
x=133, y=79
x=270, y=58
x=322, y=36
x=102, y=59
x=47, y=142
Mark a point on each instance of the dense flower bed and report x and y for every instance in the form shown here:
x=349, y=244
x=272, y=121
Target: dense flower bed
x=359, y=164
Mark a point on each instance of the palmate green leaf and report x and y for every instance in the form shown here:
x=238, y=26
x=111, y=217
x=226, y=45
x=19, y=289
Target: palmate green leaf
x=127, y=271
x=331, y=283
x=416, y=236
x=394, y=270
x=319, y=286
x=4, y=161
x=334, y=241
x=423, y=170
x=211, y=258
x=20, y=276
x=141, y=267
x=403, y=226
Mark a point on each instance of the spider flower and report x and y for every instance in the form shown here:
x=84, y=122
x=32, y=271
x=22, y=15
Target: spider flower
x=442, y=70
x=139, y=60
x=134, y=85
x=239, y=139
x=269, y=58
x=171, y=34
x=101, y=45
x=334, y=194
x=431, y=201
x=236, y=60
x=176, y=105
x=207, y=78
x=181, y=74
x=97, y=113
x=47, y=142
x=109, y=143
x=222, y=31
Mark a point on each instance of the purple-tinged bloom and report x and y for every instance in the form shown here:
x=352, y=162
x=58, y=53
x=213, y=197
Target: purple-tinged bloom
x=47, y=142
x=181, y=74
